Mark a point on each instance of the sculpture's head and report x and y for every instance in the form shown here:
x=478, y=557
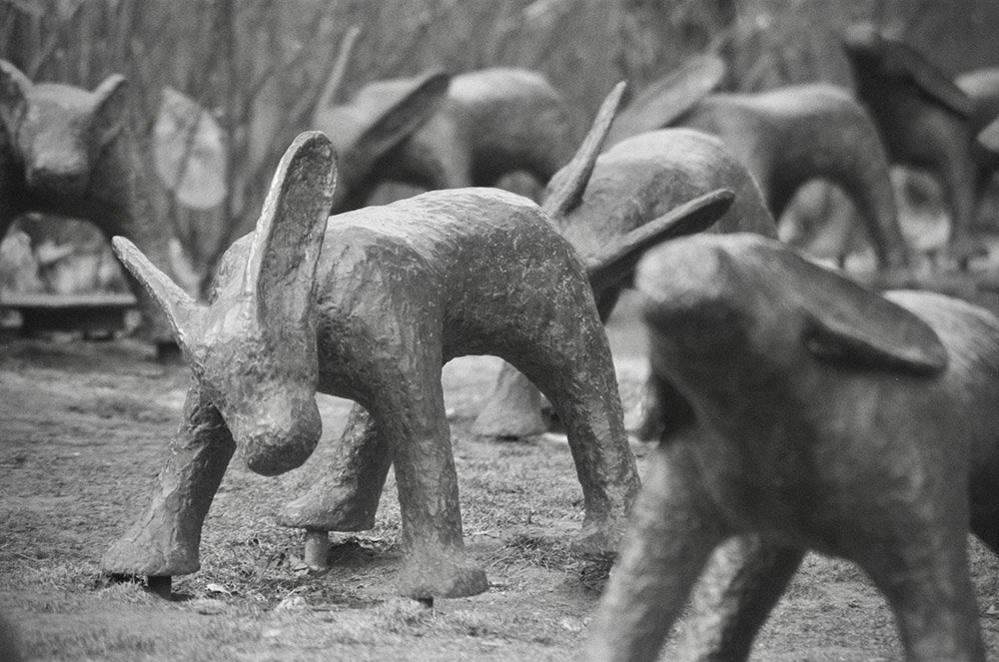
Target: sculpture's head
x=253, y=348
x=877, y=57
x=377, y=119
x=58, y=131
x=735, y=307
x=610, y=260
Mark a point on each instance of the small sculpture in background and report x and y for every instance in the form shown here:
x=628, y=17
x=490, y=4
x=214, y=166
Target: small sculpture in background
x=925, y=120
x=438, y=131
x=69, y=152
x=786, y=137
x=831, y=419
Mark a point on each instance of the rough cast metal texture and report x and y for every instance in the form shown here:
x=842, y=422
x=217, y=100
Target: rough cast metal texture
x=439, y=132
x=926, y=121
x=634, y=182
x=69, y=152
x=830, y=419
x=792, y=135
x=369, y=307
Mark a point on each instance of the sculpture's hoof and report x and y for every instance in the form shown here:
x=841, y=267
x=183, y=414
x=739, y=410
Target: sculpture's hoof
x=441, y=576
x=317, y=549
x=160, y=585
x=329, y=507
x=598, y=541
x=138, y=554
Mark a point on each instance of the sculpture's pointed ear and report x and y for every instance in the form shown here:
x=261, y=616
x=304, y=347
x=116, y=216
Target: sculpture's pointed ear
x=335, y=80
x=565, y=191
x=281, y=265
x=181, y=311
x=14, y=88
x=665, y=100
x=111, y=109
x=400, y=119
x=618, y=259
x=989, y=137
x=900, y=59
x=848, y=325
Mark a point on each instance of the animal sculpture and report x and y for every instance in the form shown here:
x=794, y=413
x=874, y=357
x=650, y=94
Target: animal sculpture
x=786, y=137
x=925, y=120
x=632, y=183
x=436, y=131
x=369, y=305
x=830, y=418
x=70, y=152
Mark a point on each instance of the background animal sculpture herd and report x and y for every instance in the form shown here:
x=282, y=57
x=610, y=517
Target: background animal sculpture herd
x=795, y=410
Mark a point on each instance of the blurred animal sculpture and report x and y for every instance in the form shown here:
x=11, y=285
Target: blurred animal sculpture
x=69, y=152
x=369, y=306
x=632, y=183
x=830, y=418
x=436, y=131
x=926, y=121
x=786, y=137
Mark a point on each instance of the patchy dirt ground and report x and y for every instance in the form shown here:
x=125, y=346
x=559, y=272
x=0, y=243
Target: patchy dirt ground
x=82, y=426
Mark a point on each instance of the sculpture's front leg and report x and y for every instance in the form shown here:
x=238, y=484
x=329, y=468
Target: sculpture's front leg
x=164, y=541
x=742, y=583
x=411, y=416
x=672, y=533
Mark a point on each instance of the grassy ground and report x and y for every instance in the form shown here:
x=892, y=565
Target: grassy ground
x=82, y=426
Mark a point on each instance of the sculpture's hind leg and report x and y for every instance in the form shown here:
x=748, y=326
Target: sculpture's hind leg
x=575, y=371
x=929, y=589
x=345, y=497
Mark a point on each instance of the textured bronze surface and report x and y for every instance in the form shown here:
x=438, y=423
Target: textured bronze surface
x=69, y=152
x=369, y=306
x=633, y=186
x=830, y=418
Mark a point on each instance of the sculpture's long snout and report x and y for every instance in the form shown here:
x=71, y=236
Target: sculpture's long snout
x=273, y=443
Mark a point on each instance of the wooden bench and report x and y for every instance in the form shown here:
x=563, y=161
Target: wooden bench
x=93, y=315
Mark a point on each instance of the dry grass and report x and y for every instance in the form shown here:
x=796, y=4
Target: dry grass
x=83, y=426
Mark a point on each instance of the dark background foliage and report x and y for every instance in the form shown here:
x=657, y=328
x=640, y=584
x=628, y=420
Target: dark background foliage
x=259, y=65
